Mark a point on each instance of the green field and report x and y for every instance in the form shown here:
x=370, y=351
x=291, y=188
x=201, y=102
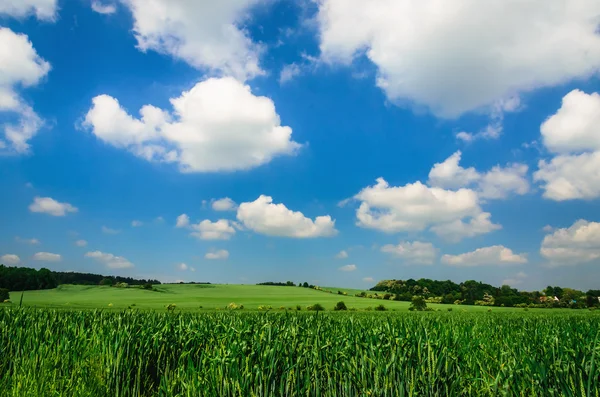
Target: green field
x=213, y=296
x=52, y=352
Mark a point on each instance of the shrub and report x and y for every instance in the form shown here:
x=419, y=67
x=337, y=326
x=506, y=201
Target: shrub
x=7, y=301
x=368, y=308
x=380, y=308
x=387, y=296
x=147, y=286
x=110, y=305
x=418, y=302
x=449, y=309
x=4, y=294
x=281, y=307
x=340, y=306
x=171, y=307
x=316, y=307
x=298, y=307
x=234, y=306
x=264, y=307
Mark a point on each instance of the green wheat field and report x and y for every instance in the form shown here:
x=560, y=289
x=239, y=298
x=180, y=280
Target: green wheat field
x=103, y=341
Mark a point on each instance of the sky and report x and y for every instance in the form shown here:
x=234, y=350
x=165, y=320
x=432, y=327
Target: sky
x=338, y=142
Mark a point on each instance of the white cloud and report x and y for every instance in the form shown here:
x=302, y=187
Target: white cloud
x=457, y=230
x=497, y=183
x=159, y=219
x=30, y=241
x=81, y=243
x=574, y=133
x=342, y=255
x=109, y=260
x=496, y=255
x=418, y=252
x=347, y=268
x=48, y=205
x=102, y=8
x=204, y=34
x=288, y=72
x=224, y=204
x=10, y=259
x=368, y=279
x=219, y=254
x=219, y=125
x=182, y=266
x=42, y=9
x=516, y=280
x=47, y=257
x=575, y=127
x=548, y=229
x=182, y=221
x=20, y=66
x=136, y=223
x=108, y=230
x=450, y=175
x=264, y=217
x=467, y=57
x=413, y=207
x=579, y=243
x=219, y=230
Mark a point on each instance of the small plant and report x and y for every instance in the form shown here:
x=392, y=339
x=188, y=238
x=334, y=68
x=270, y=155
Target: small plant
x=316, y=307
x=340, y=306
x=171, y=307
x=7, y=301
x=380, y=308
x=489, y=310
x=449, y=309
x=234, y=306
x=264, y=307
x=298, y=307
x=200, y=307
x=110, y=305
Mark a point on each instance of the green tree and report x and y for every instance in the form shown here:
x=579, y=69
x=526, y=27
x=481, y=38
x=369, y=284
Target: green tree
x=418, y=303
x=4, y=294
x=340, y=306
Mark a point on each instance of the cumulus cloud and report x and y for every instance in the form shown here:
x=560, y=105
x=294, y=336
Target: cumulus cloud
x=182, y=221
x=224, y=204
x=219, y=230
x=182, y=266
x=47, y=205
x=42, y=9
x=218, y=254
x=108, y=230
x=288, y=72
x=417, y=252
x=579, y=243
x=47, y=257
x=341, y=255
x=10, y=259
x=347, y=268
x=416, y=207
x=496, y=255
x=218, y=125
x=264, y=217
x=573, y=133
x=457, y=230
x=469, y=57
x=497, y=183
x=109, y=260
x=136, y=223
x=20, y=67
x=102, y=8
x=81, y=243
x=206, y=35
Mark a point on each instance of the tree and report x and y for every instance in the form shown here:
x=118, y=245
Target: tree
x=4, y=294
x=340, y=306
x=418, y=303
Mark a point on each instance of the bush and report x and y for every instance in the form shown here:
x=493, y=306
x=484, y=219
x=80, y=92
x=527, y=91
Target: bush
x=147, y=286
x=380, y=308
x=298, y=307
x=418, y=302
x=171, y=307
x=449, y=309
x=4, y=294
x=316, y=307
x=340, y=306
x=234, y=306
x=7, y=301
x=264, y=307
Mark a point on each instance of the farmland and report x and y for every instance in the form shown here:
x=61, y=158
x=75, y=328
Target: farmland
x=194, y=297
x=132, y=353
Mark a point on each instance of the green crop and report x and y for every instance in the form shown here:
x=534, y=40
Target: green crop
x=238, y=353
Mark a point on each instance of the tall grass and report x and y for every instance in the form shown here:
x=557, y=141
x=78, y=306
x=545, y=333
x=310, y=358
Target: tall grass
x=95, y=353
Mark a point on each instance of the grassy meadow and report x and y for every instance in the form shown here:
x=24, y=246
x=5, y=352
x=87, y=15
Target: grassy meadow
x=195, y=297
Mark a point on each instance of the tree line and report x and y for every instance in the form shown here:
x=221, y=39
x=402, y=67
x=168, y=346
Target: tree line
x=472, y=292
x=25, y=278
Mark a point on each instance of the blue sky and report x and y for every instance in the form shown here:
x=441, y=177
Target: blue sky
x=482, y=125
